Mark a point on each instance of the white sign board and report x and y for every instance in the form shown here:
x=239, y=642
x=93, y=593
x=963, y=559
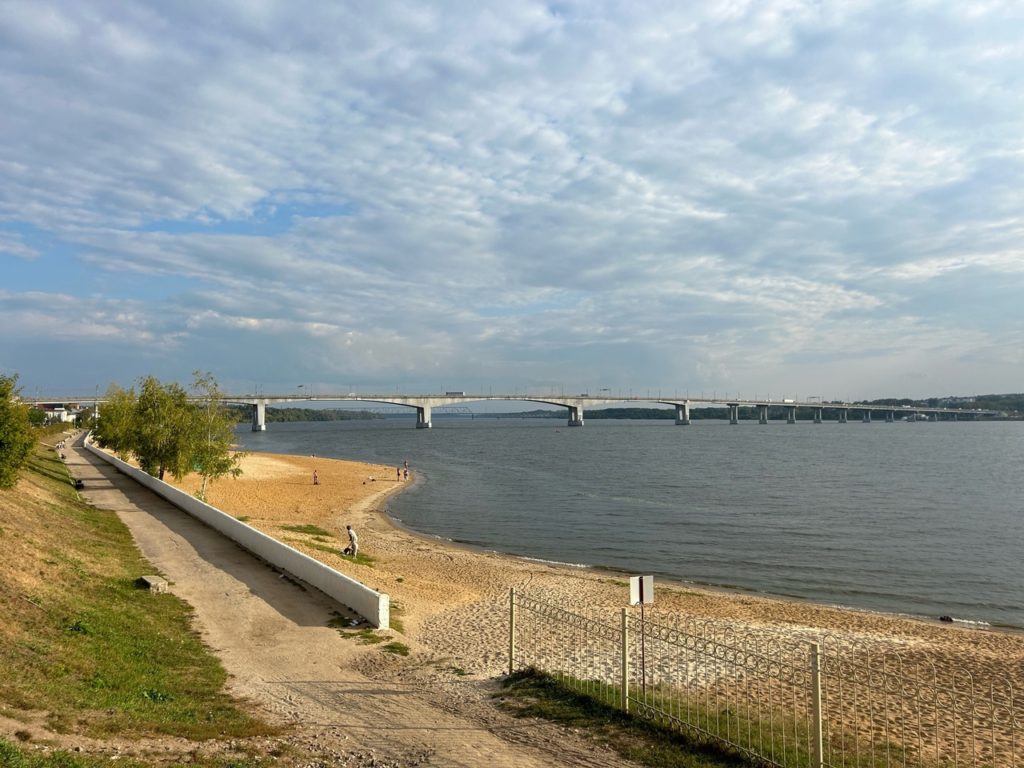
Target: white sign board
x=641, y=590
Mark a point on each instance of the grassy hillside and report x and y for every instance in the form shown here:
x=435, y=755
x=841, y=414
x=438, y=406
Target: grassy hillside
x=82, y=649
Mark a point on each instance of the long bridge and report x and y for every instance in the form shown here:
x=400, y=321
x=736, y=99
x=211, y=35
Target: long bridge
x=424, y=405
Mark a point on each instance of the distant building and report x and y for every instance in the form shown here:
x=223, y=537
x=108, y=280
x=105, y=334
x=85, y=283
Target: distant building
x=56, y=412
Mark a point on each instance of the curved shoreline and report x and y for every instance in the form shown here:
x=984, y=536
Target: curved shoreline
x=679, y=584
x=452, y=597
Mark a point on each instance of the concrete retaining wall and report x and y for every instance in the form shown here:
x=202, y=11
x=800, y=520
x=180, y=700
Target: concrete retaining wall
x=372, y=605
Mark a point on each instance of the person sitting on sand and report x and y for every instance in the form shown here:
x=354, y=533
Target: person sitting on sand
x=353, y=542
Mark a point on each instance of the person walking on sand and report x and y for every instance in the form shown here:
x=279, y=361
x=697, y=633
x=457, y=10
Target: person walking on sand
x=316, y=480
x=398, y=474
x=353, y=541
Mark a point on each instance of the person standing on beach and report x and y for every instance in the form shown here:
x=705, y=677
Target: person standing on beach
x=353, y=541
x=316, y=480
x=398, y=474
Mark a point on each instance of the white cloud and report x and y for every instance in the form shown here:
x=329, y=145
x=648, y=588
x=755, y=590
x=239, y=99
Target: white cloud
x=516, y=187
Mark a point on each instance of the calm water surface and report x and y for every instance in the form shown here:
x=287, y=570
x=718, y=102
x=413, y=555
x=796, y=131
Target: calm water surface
x=925, y=519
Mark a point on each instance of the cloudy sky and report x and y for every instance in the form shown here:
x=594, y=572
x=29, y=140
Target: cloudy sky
x=766, y=197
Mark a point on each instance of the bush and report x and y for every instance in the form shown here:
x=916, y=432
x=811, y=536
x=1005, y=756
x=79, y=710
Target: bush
x=16, y=434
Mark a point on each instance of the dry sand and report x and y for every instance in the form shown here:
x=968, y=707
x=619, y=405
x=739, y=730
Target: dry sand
x=358, y=706
x=452, y=603
x=454, y=600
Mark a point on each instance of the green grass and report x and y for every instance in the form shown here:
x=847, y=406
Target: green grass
x=395, y=617
x=359, y=559
x=314, y=545
x=362, y=559
x=45, y=463
x=81, y=643
x=365, y=635
x=530, y=693
x=596, y=706
x=312, y=530
x=13, y=756
x=346, y=627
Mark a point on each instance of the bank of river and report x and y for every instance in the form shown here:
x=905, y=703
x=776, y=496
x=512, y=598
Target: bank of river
x=921, y=519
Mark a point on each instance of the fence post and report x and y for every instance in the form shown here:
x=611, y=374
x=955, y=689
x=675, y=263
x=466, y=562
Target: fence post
x=511, y=630
x=817, y=742
x=625, y=660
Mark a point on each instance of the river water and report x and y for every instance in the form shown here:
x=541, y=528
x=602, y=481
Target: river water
x=925, y=519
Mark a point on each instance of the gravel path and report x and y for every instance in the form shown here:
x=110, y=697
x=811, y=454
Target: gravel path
x=345, y=704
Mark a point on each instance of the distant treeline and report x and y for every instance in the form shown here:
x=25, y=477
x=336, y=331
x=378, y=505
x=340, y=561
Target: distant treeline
x=1008, y=403
x=1012, y=405
x=307, y=414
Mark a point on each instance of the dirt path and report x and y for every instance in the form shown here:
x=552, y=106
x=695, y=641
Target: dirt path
x=272, y=636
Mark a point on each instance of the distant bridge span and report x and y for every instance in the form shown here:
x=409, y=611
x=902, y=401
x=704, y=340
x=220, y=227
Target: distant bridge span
x=424, y=404
x=575, y=406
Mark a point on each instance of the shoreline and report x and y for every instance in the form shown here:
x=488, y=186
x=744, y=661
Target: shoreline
x=726, y=591
x=672, y=583
x=451, y=598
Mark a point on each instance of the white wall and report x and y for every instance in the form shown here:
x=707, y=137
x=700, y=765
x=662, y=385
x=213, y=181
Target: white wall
x=372, y=605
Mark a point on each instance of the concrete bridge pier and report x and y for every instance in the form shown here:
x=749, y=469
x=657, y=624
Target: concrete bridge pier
x=259, y=417
x=683, y=413
x=423, y=417
x=791, y=414
x=844, y=415
x=890, y=417
x=734, y=413
x=866, y=417
x=762, y=414
x=575, y=416
x=817, y=415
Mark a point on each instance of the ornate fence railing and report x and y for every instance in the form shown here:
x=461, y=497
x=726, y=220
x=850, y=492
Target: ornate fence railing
x=784, y=700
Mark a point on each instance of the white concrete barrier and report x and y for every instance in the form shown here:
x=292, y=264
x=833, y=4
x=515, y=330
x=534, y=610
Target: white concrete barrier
x=372, y=605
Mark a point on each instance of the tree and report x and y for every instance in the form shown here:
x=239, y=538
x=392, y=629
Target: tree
x=163, y=428
x=85, y=419
x=116, y=426
x=16, y=434
x=212, y=455
x=165, y=432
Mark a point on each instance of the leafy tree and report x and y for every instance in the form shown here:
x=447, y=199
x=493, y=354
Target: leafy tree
x=163, y=428
x=212, y=456
x=16, y=434
x=116, y=426
x=85, y=419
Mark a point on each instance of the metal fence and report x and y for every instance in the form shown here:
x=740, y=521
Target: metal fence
x=785, y=700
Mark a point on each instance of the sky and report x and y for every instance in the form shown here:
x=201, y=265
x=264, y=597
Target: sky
x=766, y=198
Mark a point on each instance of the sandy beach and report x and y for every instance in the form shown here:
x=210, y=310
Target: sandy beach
x=453, y=600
